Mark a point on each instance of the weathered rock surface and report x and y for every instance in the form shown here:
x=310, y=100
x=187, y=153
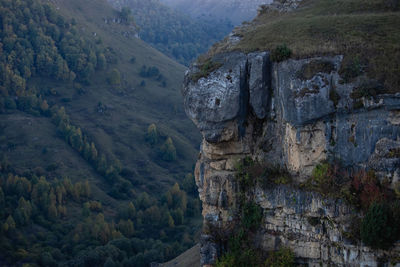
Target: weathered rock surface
x=295, y=114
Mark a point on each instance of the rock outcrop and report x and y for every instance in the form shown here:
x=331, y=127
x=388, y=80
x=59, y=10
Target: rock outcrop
x=294, y=114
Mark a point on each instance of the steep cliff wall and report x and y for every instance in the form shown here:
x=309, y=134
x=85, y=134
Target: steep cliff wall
x=294, y=114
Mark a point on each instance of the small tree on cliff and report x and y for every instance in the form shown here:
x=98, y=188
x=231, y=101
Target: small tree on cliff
x=378, y=229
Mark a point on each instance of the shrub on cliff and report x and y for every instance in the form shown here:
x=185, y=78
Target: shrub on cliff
x=252, y=216
x=284, y=257
x=326, y=179
x=378, y=228
x=281, y=53
x=205, y=69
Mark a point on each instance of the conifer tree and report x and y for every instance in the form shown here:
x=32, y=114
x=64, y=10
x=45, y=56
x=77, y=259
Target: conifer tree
x=152, y=134
x=168, y=151
x=9, y=225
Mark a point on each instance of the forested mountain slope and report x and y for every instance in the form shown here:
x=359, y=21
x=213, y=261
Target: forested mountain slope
x=173, y=33
x=92, y=140
x=235, y=11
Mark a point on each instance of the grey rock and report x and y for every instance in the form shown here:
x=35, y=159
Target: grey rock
x=294, y=116
x=259, y=83
x=303, y=101
x=208, y=250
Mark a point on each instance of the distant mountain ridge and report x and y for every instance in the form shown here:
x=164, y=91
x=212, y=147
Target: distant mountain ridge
x=234, y=10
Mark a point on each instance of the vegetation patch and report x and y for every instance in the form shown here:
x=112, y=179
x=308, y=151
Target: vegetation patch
x=367, y=89
x=70, y=214
x=393, y=153
x=249, y=173
x=281, y=53
x=310, y=69
x=379, y=229
x=284, y=257
x=240, y=251
x=359, y=188
x=353, y=233
x=351, y=68
x=205, y=69
x=240, y=246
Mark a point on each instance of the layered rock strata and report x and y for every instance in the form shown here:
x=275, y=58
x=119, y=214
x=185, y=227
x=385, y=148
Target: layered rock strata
x=294, y=114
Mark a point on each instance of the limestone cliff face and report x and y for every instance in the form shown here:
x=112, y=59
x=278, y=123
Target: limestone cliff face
x=295, y=114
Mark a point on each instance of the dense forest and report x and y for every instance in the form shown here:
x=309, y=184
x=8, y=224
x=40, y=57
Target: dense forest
x=72, y=200
x=175, y=34
x=51, y=221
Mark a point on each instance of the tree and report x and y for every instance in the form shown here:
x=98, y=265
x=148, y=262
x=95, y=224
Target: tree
x=93, y=152
x=189, y=185
x=9, y=225
x=102, y=164
x=126, y=16
x=377, y=228
x=1, y=200
x=114, y=77
x=23, y=212
x=60, y=193
x=44, y=106
x=76, y=139
x=284, y=257
x=178, y=216
x=109, y=263
x=168, y=150
x=86, y=209
x=176, y=198
x=144, y=201
x=131, y=210
x=126, y=227
x=86, y=189
x=171, y=222
x=152, y=134
x=101, y=62
x=52, y=212
x=153, y=215
x=86, y=151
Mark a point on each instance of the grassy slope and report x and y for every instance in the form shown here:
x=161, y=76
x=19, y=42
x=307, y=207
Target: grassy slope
x=190, y=258
x=130, y=108
x=365, y=29
x=32, y=142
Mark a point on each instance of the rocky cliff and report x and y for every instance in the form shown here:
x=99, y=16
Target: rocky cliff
x=294, y=114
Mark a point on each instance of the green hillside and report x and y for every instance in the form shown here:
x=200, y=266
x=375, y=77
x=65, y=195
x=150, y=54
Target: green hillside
x=80, y=173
